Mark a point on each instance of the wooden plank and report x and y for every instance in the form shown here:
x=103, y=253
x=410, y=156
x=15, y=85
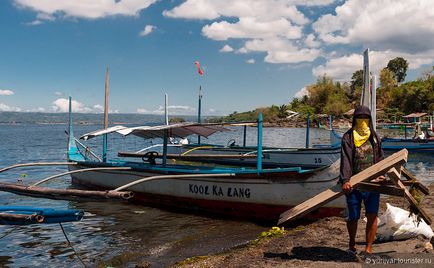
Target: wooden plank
x=413, y=179
x=396, y=178
x=328, y=195
x=381, y=188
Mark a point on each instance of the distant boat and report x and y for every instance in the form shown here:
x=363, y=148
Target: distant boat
x=412, y=145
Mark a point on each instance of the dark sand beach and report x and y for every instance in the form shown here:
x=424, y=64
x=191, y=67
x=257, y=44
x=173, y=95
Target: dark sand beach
x=323, y=243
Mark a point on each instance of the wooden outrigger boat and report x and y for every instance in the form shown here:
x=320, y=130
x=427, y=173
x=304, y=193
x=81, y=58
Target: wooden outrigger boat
x=247, y=192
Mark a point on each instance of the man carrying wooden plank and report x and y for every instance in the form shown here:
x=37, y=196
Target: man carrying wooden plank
x=361, y=148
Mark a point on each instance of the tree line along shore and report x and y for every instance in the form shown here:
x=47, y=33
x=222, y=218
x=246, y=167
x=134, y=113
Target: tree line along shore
x=395, y=98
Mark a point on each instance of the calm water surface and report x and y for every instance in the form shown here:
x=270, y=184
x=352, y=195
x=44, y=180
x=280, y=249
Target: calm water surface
x=116, y=233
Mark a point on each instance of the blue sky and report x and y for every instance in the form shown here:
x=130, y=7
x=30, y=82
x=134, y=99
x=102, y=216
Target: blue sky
x=254, y=52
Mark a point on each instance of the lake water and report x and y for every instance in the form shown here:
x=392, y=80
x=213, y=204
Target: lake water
x=116, y=233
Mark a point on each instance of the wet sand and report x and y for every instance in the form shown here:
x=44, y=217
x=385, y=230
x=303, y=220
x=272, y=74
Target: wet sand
x=323, y=244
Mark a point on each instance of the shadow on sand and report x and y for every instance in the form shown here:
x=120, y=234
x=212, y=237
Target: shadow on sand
x=314, y=254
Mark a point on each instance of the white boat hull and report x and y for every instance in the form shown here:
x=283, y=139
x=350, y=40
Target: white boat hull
x=252, y=196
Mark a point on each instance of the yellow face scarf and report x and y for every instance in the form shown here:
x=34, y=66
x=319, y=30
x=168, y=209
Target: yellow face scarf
x=361, y=131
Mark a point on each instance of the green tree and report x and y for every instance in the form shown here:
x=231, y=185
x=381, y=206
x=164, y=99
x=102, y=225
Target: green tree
x=387, y=85
x=355, y=91
x=283, y=111
x=399, y=67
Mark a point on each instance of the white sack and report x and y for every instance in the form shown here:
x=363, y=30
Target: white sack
x=396, y=224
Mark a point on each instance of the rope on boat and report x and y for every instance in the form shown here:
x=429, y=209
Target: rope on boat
x=196, y=148
x=128, y=185
x=37, y=164
x=70, y=245
x=78, y=171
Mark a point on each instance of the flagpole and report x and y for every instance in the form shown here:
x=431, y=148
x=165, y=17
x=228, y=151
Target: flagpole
x=104, y=147
x=199, y=111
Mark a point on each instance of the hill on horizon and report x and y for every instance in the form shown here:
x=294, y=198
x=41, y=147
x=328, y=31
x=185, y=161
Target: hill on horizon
x=84, y=118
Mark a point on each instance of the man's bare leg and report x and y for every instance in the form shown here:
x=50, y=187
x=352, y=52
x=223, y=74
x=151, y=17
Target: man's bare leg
x=371, y=231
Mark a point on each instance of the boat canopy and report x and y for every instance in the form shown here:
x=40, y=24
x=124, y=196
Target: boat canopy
x=181, y=130
x=100, y=132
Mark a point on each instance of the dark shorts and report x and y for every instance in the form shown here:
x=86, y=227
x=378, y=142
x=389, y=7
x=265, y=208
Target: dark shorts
x=354, y=203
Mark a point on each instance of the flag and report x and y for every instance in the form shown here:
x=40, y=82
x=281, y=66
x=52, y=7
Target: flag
x=198, y=68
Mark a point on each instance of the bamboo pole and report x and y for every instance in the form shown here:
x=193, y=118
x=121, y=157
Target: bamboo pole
x=37, y=164
x=33, y=218
x=63, y=194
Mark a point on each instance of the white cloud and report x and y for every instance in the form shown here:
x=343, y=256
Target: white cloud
x=58, y=93
x=260, y=21
x=301, y=93
x=251, y=61
x=281, y=51
x=147, y=30
x=6, y=108
x=173, y=110
x=34, y=23
x=342, y=68
x=49, y=9
x=405, y=26
x=98, y=108
x=37, y=110
x=226, y=48
x=311, y=41
x=214, y=9
x=6, y=92
x=251, y=27
x=62, y=105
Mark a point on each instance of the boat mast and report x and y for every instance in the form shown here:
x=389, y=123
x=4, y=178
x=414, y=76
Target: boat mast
x=199, y=111
x=71, y=140
x=308, y=130
x=374, y=102
x=104, y=148
x=166, y=107
x=365, y=99
x=166, y=132
x=259, y=150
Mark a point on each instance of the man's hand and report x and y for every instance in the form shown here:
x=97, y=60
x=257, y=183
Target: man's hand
x=346, y=187
x=379, y=179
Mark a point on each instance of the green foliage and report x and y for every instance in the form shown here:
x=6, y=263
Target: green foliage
x=236, y=117
x=335, y=98
x=283, y=111
x=356, y=86
x=387, y=84
x=328, y=97
x=399, y=67
x=175, y=120
x=273, y=232
x=415, y=96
